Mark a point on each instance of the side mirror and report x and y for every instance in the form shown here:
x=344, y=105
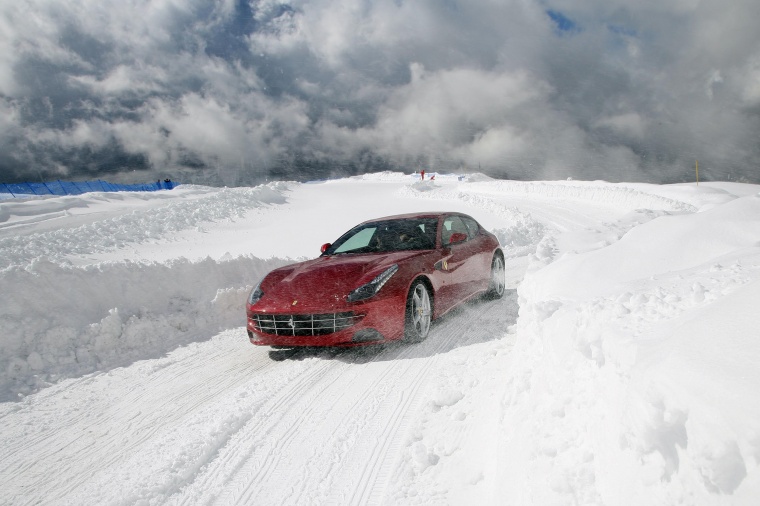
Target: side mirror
x=457, y=237
x=325, y=247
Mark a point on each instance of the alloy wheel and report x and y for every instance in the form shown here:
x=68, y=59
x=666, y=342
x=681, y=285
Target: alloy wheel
x=419, y=313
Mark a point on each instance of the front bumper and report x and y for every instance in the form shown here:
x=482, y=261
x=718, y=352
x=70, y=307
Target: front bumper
x=370, y=322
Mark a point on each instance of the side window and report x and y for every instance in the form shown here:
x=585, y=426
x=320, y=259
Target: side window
x=452, y=225
x=472, y=226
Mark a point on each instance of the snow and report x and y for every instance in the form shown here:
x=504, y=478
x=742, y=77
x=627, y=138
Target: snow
x=619, y=368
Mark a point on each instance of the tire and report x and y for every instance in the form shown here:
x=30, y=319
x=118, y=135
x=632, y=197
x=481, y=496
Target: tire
x=419, y=313
x=497, y=283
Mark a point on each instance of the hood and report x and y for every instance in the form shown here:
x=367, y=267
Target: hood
x=323, y=283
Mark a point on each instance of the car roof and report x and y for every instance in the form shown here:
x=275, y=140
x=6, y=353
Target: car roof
x=433, y=214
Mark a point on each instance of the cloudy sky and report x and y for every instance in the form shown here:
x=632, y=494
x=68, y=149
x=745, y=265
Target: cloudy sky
x=234, y=91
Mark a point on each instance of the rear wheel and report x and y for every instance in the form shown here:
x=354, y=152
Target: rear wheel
x=419, y=313
x=497, y=283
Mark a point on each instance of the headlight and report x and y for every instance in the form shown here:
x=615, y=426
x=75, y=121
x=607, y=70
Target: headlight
x=374, y=286
x=255, y=295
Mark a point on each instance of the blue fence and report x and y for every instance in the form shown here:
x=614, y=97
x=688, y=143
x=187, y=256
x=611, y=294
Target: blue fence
x=79, y=187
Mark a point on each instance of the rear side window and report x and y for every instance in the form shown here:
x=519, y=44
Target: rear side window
x=452, y=225
x=472, y=226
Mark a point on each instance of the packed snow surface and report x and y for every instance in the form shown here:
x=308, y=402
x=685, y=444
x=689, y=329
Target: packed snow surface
x=620, y=368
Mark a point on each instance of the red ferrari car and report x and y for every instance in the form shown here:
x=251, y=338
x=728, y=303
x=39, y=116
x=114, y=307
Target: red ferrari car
x=383, y=280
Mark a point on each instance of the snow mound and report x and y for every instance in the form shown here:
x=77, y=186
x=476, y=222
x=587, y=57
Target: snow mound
x=628, y=359
x=61, y=321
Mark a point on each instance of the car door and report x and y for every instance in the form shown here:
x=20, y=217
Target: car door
x=458, y=271
x=482, y=255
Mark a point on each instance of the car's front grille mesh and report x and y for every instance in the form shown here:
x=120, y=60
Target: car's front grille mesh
x=304, y=324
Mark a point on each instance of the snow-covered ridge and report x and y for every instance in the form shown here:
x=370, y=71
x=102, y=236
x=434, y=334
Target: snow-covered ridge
x=526, y=232
x=598, y=192
x=135, y=227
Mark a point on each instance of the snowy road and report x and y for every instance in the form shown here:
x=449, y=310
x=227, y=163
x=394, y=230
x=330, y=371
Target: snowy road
x=126, y=376
x=219, y=420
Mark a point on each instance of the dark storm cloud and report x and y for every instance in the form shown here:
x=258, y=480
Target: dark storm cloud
x=231, y=92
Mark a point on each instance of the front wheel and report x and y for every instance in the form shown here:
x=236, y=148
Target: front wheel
x=497, y=283
x=419, y=313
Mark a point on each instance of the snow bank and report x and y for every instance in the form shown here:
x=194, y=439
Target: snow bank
x=91, y=233
x=635, y=368
x=62, y=321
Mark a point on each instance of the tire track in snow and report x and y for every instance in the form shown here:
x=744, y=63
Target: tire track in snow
x=377, y=469
x=344, y=426
x=361, y=417
x=254, y=436
x=100, y=433
x=202, y=438
x=95, y=430
x=276, y=437
x=386, y=448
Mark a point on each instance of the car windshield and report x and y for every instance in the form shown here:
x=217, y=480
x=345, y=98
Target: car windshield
x=387, y=236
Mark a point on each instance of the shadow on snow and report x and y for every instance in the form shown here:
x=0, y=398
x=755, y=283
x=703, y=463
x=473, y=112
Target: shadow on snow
x=477, y=321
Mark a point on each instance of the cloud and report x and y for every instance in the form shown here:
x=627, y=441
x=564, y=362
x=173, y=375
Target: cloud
x=457, y=116
x=628, y=124
x=230, y=92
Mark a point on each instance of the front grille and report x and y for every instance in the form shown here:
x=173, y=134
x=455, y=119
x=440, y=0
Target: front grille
x=304, y=324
